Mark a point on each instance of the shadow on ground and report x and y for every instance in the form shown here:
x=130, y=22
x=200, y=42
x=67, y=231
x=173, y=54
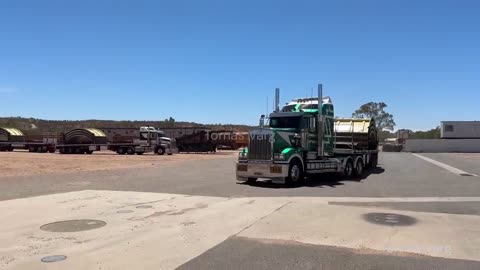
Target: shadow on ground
x=320, y=181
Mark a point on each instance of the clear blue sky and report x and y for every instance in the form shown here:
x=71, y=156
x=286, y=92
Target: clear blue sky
x=217, y=61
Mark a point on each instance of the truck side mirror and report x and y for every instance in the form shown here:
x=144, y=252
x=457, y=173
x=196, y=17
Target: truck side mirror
x=262, y=121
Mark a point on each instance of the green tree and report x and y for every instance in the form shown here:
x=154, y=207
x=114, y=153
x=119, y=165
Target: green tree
x=430, y=134
x=376, y=110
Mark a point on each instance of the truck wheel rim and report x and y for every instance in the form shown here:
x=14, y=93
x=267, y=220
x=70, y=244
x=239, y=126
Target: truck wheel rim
x=295, y=173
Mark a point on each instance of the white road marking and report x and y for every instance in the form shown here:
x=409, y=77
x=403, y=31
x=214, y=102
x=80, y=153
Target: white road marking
x=443, y=165
x=405, y=199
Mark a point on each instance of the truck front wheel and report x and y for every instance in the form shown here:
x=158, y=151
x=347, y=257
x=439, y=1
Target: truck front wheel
x=295, y=173
x=160, y=151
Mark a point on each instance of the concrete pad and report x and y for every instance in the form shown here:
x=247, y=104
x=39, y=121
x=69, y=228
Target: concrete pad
x=164, y=231
x=174, y=230
x=438, y=235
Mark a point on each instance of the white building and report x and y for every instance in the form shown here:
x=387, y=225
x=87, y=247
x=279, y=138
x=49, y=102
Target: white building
x=460, y=130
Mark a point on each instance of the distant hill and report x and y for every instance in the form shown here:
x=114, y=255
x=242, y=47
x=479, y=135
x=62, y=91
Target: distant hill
x=40, y=126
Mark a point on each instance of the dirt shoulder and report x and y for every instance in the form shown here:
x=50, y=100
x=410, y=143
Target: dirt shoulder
x=24, y=163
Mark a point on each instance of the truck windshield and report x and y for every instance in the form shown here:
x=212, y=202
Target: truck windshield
x=285, y=122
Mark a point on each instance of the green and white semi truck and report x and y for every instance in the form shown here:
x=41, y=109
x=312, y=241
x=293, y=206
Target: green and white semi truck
x=304, y=138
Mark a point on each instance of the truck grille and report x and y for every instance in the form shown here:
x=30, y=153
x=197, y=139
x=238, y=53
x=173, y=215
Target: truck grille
x=260, y=147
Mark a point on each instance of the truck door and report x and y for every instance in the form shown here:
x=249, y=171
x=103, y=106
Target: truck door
x=305, y=128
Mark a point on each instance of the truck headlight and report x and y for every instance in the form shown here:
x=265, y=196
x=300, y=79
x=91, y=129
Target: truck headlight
x=278, y=157
x=242, y=155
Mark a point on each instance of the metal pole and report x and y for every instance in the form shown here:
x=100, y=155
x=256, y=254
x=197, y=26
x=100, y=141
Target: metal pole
x=266, y=112
x=277, y=99
x=320, y=120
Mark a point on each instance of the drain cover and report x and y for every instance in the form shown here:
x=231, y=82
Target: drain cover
x=389, y=219
x=53, y=259
x=144, y=207
x=73, y=225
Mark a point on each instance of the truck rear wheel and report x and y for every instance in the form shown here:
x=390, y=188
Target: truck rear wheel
x=348, y=170
x=251, y=180
x=373, y=161
x=295, y=173
x=121, y=151
x=358, y=168
x=130, y=151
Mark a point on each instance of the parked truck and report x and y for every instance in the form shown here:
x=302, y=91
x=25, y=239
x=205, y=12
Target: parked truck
x=12, y=138
x=304, y=138
x=88, y=140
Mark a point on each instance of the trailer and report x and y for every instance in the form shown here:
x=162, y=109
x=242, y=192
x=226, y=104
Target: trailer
x=199, y=141
x=304, y=139
x=89, y=140
x=229, y=140
x=12, y=138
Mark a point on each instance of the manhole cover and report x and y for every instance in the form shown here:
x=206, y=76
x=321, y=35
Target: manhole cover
x=144, y=207
x=73, y=225
x=52, y=259
x=390, y=219
x=124, y=211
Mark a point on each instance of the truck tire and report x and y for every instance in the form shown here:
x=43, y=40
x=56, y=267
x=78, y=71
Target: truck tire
x=130, y=151
x=121, y=151
x=373, y=161
x=161, y=151
x=140, y=153
x=251, y=180
x=51, y=150
x=295, y=173
x=348, y=170
x=358, y=171
x=89, y=152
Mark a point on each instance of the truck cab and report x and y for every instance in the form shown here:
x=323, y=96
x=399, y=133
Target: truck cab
x=155, y=138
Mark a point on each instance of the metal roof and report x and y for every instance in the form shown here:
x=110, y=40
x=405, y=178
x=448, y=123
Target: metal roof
x=13, y=131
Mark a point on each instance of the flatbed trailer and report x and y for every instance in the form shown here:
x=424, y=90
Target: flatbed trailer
x=37, y=147
x=119, y=148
